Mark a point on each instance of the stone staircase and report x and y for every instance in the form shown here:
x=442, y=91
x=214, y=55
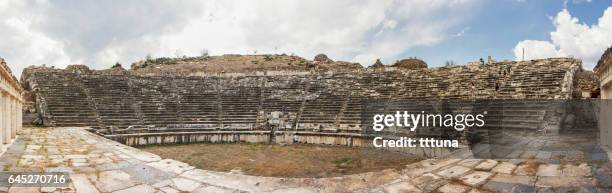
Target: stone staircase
x=319, y=102
x=67, y=104
x=581, y=117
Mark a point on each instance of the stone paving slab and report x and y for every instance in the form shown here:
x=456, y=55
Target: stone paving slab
x=476, y=178
x=97, y=164
x=510, y=183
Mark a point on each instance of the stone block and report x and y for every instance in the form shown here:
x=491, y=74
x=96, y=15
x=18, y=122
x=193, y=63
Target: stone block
x=453, y=172
x=162, y=183
x=529, y=154
x=144, y=156
x=425, y=178
x=169, y=165
x=515, y=154
x=548, y=170
x=109, y=166
x=50, y=189
x=504, y=168
x=546, y=190
x=401, y=187
x=146, y=174
x=113, y=180
x=24, y=190
x=143, y=188
x=486, y=165
x=76, y=156
x=169, y=190
x=581, y=170
x=82, y=184
x=543, y=155
x=470, y=163
x=425, y=166
x=527, y=168
x=474, y=190
x=214, y=189
x=476, y=178
x=510, y=183
x=566, y=183
x=184, y=184
x=429, y=182
x=603, y=174
x=453, y=188
x=79, y=164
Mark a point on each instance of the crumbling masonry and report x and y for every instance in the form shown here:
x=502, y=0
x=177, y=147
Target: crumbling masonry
x=319, y=107
x=315, y=107
x=10, y=105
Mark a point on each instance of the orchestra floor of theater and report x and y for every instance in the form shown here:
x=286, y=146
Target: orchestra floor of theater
x=284, y=160
x=96, y=164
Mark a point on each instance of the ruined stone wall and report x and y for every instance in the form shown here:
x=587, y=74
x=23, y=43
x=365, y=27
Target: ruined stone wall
x=328, y=103
x=603, y=69
x=11, y=103
x=586, y=84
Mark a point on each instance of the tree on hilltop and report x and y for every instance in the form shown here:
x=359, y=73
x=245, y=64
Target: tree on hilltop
x=204, y=52
x=117, y=65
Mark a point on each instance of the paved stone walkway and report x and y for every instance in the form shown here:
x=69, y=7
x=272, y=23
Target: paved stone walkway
x=97, y=164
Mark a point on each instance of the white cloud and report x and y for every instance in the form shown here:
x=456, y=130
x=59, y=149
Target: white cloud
x=343, y=29
x=463, y=31
x=59, y=33
x=100, y=33
x=571, y=38
x=23, y=45
x=534, y=49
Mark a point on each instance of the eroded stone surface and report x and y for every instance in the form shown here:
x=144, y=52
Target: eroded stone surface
x=580, y=170
x=429, y=182
x=504, y=168
x=528, y=168
x=454, y=188
x=486, y=165
x=470, y=162
x=400, y=187
x=109, y=181
x=454, y=171
x=549, y=170
x=183, y=184
x=82, y=184
x=140, y=188
x=97, y=164
x=476, y=178
x=510, y=183
x=564, y=182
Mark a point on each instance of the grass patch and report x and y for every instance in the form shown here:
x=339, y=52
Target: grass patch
x=284, y=161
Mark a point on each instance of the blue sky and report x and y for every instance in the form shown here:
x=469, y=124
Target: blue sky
x=497, y=26
x=100, y=33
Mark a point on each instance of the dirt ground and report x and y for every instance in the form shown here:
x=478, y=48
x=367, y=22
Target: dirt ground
x=284, y=161
x=235, y=63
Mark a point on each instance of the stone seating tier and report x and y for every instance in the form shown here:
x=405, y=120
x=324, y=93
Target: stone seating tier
x=326, y=102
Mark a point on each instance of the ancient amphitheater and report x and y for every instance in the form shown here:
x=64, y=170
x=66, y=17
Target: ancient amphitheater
x=542, y=123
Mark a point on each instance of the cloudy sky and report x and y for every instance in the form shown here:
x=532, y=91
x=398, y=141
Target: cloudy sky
x=100, y=33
